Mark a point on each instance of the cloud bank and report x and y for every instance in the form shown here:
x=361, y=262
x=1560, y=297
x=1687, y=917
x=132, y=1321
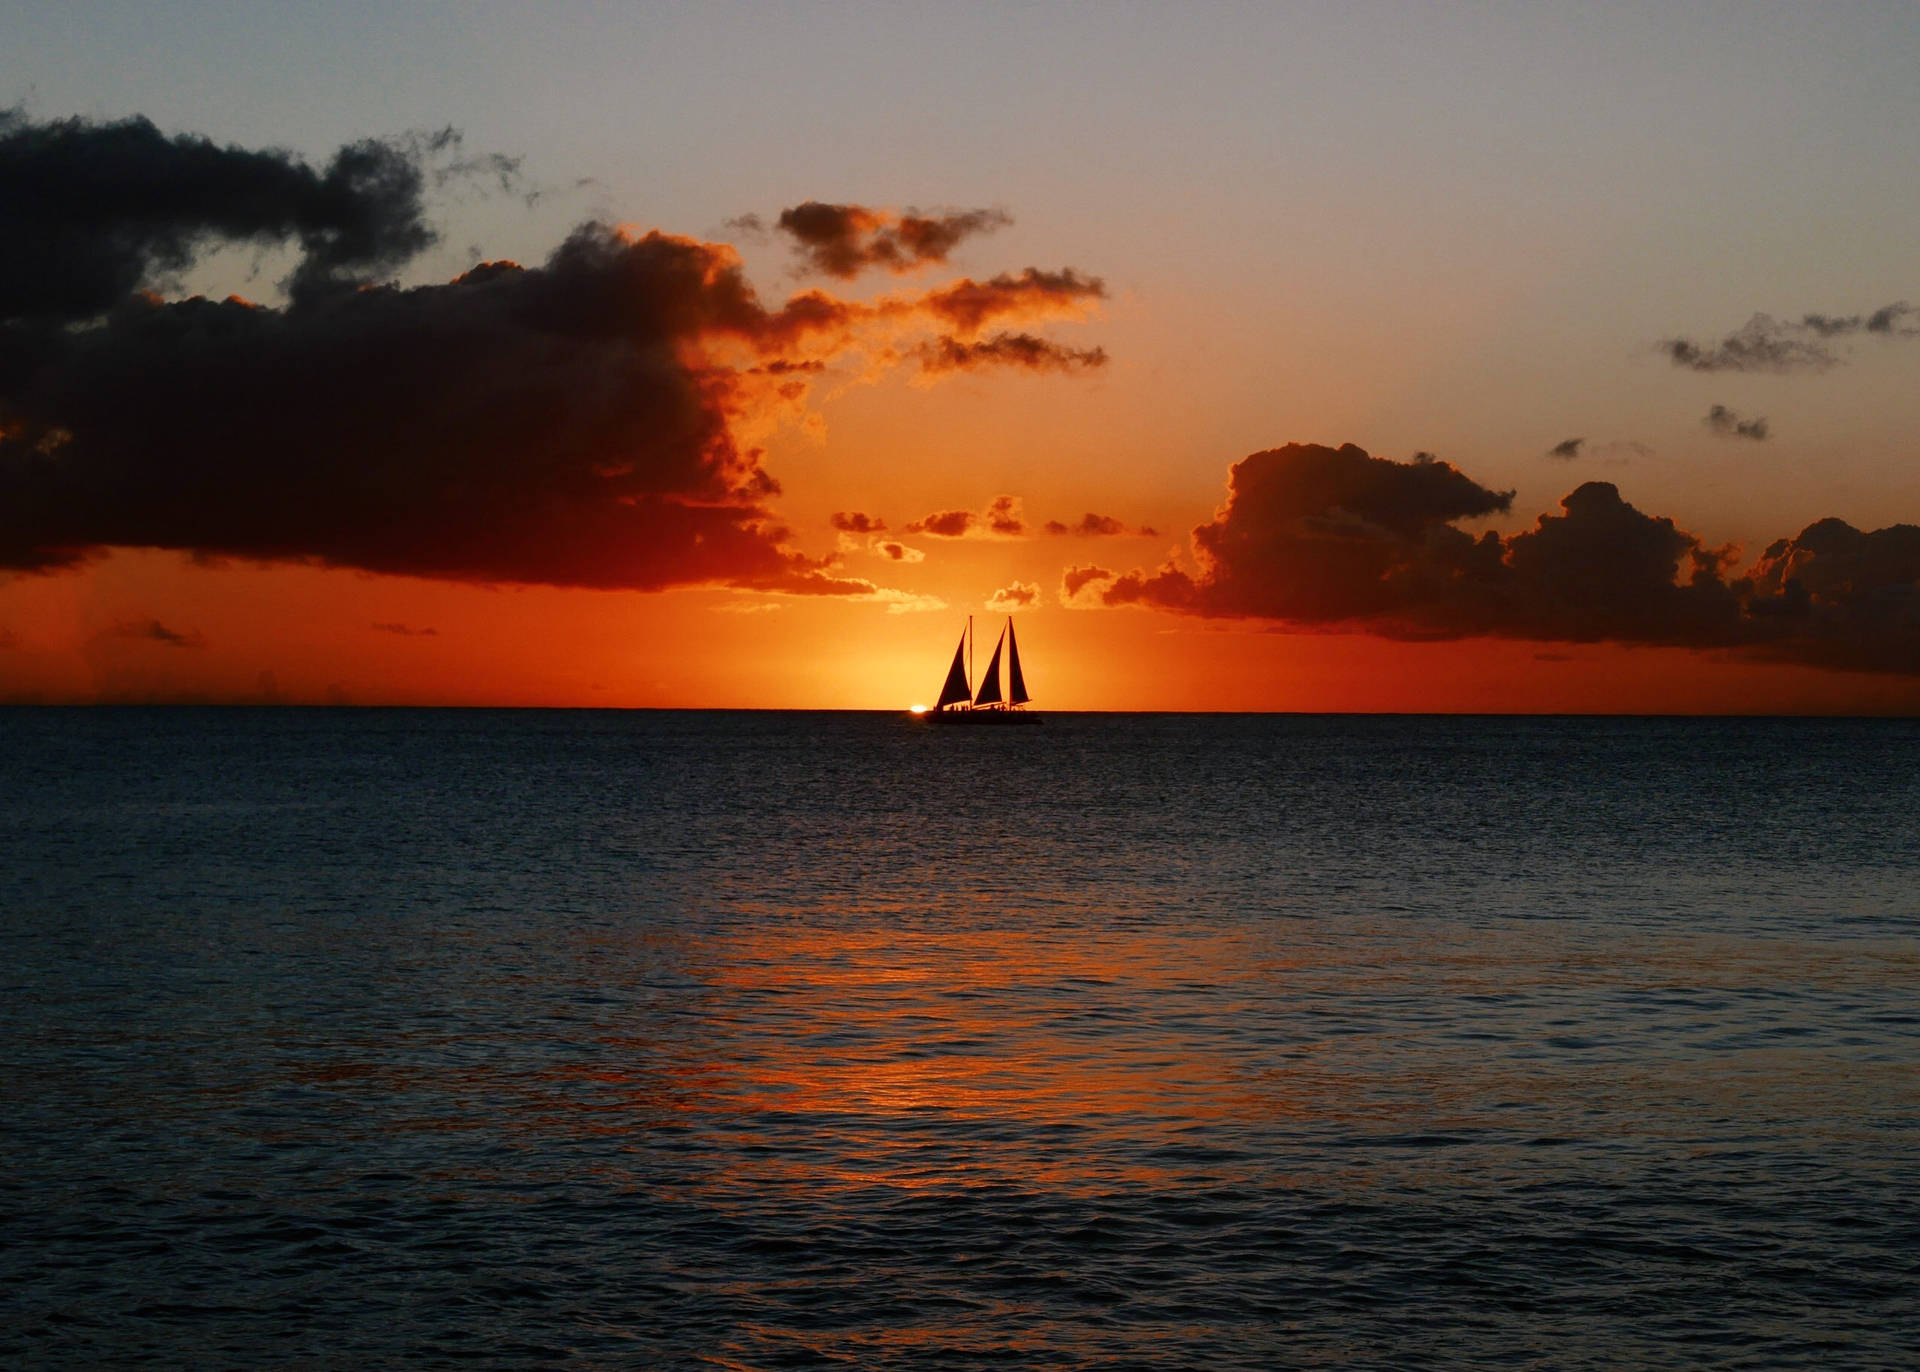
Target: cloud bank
x=1335, y=538
x=576, y=422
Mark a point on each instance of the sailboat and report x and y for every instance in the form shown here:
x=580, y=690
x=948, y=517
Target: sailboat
x=960, y=703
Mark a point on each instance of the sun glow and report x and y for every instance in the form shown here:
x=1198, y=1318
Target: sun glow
x=917, y=709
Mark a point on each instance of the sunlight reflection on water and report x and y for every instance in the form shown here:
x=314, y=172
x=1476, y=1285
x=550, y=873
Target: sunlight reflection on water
x=376, y=1036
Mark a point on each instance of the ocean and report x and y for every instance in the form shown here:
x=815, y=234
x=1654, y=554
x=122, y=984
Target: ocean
x=369, y=1038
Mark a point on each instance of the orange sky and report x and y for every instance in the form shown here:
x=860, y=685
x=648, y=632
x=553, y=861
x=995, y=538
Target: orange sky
x=302, y=635
x=1125, y=285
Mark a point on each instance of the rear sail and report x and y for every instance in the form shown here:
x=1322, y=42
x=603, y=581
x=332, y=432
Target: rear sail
x=1016, y=684
x=990, y=683
x=955, y=691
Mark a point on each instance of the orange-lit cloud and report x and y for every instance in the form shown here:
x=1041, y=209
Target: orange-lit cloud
x=1097, y=526
x=968, y=306
x=1077, y=579
x=897, y=552
x=1001, y=519
x=1021, y=350
x=1021, y=595
x=1324, y=537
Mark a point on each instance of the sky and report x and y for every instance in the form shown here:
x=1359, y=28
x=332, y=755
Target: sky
x=1452, y=357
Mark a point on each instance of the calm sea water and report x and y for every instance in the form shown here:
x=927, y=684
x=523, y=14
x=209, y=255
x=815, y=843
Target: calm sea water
x=368, y=1038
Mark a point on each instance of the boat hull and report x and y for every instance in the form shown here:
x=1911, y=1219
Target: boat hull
x=979, y=717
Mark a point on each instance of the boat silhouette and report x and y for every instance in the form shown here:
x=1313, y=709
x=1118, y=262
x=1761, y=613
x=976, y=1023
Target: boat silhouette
x=960, y=703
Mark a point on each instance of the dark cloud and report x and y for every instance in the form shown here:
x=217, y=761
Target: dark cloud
x=969, y=306
x=1767, y=344
x=405, y=630
x=1001, y=519
x=1022, y=350
x=897, y=552
x=153, y=631
x=854, y=522
x=1837, y=597
x=1322, y=537
x=1097, y=526
x=1890, y=320
x=845, y=240
x=519, y=424
x=90, y=212
x=570, y=423
x=1074, y=579
x=1727, y=424
x=946, y=524
x=1616, y=450
x=1762, y=344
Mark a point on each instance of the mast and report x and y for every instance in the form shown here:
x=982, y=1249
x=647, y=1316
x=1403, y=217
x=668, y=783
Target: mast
x=969, y=657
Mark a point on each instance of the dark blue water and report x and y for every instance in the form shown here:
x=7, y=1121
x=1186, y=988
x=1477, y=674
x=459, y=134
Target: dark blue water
x=371, y=1038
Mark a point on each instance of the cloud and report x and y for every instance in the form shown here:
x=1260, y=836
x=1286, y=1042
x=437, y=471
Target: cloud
x=1321, y=537
x=1077, y=578
x=844, y=240
x=854, y=522
x=1837, y=597
x=584, y=421
x=968, y=306
x=1616, y=450
x=90, y=212
x=153, y=631
x=897, y=552
x=1762, y=344
x=1767, y=344
x=1727, y=424
x=1097, y=526
x=1021, y=350
x=405, y=631
x=1890, y=320
x=1001, y=519
x=1021, y=595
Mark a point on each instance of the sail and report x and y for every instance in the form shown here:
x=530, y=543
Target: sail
x=990, y=683
x=1016, y=684
x=956, y=688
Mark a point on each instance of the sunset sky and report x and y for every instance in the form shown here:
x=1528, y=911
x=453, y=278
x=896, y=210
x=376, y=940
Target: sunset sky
x=1526, y=357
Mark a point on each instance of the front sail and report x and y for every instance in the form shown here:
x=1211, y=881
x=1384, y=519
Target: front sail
x=1016, y=684
x=990, y=683
x=955, y=691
